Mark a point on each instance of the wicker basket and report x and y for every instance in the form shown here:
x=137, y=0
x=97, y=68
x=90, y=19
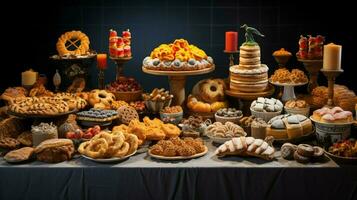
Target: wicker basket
x=128, y=96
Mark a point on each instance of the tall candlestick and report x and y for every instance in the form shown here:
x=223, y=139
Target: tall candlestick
x=102, y=61
x=231, y=41
x=332, y=57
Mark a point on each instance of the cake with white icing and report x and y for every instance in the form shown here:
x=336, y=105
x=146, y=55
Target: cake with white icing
x=250, y=75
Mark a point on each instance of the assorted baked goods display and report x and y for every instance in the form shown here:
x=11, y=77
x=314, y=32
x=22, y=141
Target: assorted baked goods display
x=289, y=126
x=284, y=76
x=120, y=47
x=207, y=96
x=178, y=148
x=247, y=146
x=109, y=145
x=177, y=56
x=302, y=153
x=332, y=115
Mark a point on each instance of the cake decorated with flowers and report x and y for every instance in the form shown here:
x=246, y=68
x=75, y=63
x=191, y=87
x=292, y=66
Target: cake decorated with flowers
x=250, y=75
x=177, y=56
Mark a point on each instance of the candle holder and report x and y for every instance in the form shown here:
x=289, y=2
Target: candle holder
x=312, y=67
x=231, y=56
x=101, y=79
x=120, y=65
x=331, y=77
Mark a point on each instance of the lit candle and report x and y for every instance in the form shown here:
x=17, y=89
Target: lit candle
x=332, y=57
x=102, y=61
x=28, y=78
x=231, y=41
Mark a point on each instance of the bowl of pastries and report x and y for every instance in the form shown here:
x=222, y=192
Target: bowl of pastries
x=284, y=76
x=224, y=115
x=343, y=151
x=125, y=89
x=282, y=56
x=220, y=133
x=266, y=108
x=172, y=114
x=297, y=107
x=157, y=100
x=332, y=124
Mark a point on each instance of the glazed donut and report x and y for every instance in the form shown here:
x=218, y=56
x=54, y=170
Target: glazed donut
x=123, y=150
x=73, y=37
x=171, y=130
x=133, y=142
x=100, y=96
x=288, y=150
x=301, y=159
x=209, y=90
x=305, y=150
x=96, y=148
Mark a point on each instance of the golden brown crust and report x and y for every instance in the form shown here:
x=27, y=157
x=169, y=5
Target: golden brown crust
x=25, y=138
x=9, y=143
x=19, y=155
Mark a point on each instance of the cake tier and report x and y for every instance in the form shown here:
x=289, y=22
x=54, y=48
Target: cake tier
x=248, y=86
x=249, y=61
x=241, y=69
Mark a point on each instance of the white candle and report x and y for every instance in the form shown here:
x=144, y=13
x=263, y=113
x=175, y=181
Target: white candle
x=332, y=57
x=28, y=78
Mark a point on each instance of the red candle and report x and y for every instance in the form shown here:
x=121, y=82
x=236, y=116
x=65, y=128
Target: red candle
x=231, y=41
x=102, y=61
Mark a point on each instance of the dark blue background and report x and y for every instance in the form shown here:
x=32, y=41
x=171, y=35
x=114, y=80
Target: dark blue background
x=32, y=29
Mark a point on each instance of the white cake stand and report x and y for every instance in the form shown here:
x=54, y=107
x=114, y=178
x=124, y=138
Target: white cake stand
x=177, y=81
x=288, y=92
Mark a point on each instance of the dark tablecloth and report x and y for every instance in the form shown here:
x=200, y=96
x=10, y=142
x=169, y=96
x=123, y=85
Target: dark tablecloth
x=208, y=177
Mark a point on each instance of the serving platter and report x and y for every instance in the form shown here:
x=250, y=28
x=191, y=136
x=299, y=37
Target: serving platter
x=108, y=160
x=178, y=157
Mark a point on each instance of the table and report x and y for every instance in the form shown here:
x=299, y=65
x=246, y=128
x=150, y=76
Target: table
x=208, y=177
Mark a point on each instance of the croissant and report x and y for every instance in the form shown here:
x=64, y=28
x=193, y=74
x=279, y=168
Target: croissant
x=247, y=146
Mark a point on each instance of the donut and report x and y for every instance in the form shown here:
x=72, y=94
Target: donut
x=100, y=96
x=69, y=41
x=96, y=148
x=301, y=159
x=305, y=150
x=171, y=130
x=133, y=142
x=288, y=150
x=123, y=150
x=209, y=90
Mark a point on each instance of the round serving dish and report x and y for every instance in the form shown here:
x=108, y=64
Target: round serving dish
x=340, y=159
x=301, y=111
x=108, y=160
x=128, y=96
x=223, y=120
x=219, y=140
x=176, y=117
x=266, y=116
x=178, y=157
x=329, y=133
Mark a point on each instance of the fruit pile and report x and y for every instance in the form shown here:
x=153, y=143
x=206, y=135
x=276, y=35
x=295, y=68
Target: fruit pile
x=79, y=134
x=124, y=85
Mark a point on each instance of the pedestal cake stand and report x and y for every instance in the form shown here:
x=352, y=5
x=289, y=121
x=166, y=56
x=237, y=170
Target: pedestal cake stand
x=177, y=81
x=288, y=92
x=246, y=98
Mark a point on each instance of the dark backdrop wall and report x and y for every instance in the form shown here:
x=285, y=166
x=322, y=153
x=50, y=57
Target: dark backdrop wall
x=31, y=31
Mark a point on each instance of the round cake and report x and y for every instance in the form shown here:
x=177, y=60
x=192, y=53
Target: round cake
x=250, y=75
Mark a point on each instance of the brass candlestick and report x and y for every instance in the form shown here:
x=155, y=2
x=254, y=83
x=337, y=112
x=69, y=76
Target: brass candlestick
x=101, y=79
x=313, y=67
x=331, y=77
x=231, y=56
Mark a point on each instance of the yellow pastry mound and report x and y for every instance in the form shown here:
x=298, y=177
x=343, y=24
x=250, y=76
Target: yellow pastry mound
x=179, y=49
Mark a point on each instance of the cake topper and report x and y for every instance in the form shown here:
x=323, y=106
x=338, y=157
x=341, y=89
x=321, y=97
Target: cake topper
x=249, y=31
